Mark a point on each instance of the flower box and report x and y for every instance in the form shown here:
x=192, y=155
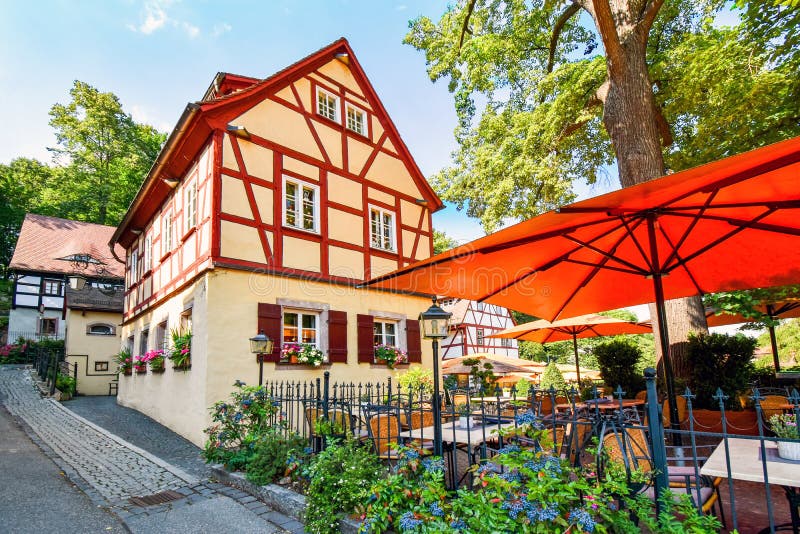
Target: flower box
x=390, y=356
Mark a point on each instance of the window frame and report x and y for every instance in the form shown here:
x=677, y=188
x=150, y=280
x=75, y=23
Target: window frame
x=298, y=210
x=134, y=265
x=505, y=342
x=362, y=113
x=167, y=234
x=392, y=230
x=318, y=331
x=336, y=105
x=190, y=207
x=59, y=285
x=147, y=254
x=480, y=337
x=382, y=321
x=111, y=329
x=48, y=320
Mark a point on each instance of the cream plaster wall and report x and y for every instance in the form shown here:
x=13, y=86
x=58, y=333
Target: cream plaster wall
x=257, y=160
x=86, y=349
x=176, y=399
x=344, y=226
x=341, y=73
x=239, y=241
x=301, y=254
x=234, y=198
x=292, y=132
x=344, y=191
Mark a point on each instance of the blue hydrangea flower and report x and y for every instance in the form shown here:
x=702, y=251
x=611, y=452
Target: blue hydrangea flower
x=237, y=417
x=436, y=510
x=308, y=450
x=549, y=513
x=366, y=525
x=511, y=476
x=409, y=522
x=514, y=507
x=583, y=518
x=526, y=418
x=434, y=466
x=458, y=524
x=508, y=449
x=411, y=454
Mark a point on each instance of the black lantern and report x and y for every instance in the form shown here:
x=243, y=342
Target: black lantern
x=435, y=322
x=435, y=326
x=260, y=345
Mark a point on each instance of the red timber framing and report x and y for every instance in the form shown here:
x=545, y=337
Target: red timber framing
x=464, y=339
x=204, y=126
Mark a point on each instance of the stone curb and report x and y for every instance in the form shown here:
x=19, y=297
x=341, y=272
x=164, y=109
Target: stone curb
x=281, y=499
x=181, y=474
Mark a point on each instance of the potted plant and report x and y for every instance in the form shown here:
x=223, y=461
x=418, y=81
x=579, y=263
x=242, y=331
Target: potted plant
x=389, y=355
x=181, y=352
x=290, y=352
x=124, y=362
x=310, y=355
x=140, y=365
x=785, y=426
x=155, y=358
x=465, y=419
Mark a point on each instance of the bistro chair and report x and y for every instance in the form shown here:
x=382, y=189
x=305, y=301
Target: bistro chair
x=770, y=405
x=384, y=432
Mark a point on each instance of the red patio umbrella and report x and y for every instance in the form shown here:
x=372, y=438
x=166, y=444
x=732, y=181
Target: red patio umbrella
x=584, y=326
x=783, y=309
x=730, y=224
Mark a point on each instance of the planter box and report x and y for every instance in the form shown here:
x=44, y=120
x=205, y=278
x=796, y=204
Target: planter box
x=744, y=422
x=281, y=499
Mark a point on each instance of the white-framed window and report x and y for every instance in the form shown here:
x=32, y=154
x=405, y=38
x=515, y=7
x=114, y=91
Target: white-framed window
x=479, y=337
x=134, y=271
x=381, y=224
x=385, y=332
x=144, y=338
x=147, y=259
x=167, y=234
x=481, y=306
x=356, y=119
x=51, y=287
x=505, y=342
x=162, y=340
x=328, y=105
x=301, y=205
x=301, y=326
x=190, y=209
x=101, y=330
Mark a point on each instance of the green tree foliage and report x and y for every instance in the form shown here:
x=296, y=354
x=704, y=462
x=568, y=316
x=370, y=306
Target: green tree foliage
x=619, y=362
x=531, y=86
x=719, y=361
x=442, y=242
x=552, y=377
x=749, y=303
x=787, y=334
x=106, y=154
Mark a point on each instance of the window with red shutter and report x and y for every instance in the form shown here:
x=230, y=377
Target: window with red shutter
x=270, y=320
x=413, y=341
x=337, y=336
x=366, y=341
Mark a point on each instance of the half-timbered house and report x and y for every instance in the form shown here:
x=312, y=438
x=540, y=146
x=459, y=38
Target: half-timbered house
x=471, y=325
x=270, y=202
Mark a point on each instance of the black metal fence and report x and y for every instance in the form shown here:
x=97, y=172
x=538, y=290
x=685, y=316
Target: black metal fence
x=13, y=336
x=704, y=455
x=49, y=363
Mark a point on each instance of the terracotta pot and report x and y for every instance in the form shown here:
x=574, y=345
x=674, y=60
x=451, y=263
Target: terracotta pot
x=127, y=372
x=293, y=358
x=157, y=371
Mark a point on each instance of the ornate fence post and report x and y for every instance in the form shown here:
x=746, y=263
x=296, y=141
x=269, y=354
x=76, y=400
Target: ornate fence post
x=655, y=427
x=326, y=392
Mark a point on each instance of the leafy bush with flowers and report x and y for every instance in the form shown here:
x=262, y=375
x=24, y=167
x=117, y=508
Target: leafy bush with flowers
x=140, y=364
x=14, y=353
x=390, y=355
x=155, y=359
x=310, y=355
x=181, y=351
x=340, y=480
x=271, y=454
x=124, y=361
x=237, y=424
x=523, y=489
x=784, y=426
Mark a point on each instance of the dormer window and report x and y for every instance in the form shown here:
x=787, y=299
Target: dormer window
x=356, y=120
x=381, y=229
x=301, y=205
x=328, y=105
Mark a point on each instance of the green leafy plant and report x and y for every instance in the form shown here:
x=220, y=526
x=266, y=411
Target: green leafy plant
x=390, y=355
x=65, y=384
x=310, y=355
x=784, y=426
x=238, y=423
x=719, y=361
x=416, y=380
x=482, y=374
x=341, y=477
x=618, y=360
x=552, y=377
x=676, y=516
x=181, y=352
x=271, y=453
x=124, y=361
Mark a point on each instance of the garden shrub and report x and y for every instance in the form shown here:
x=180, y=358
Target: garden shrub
x=719, y=361
x=248, y=414
x=340, y=481
x=271, y=453
x=618, y=361
x=65, y=384
x=416, y=380
x=552, y=377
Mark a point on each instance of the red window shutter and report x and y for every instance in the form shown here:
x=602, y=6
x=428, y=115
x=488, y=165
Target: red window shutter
x=337, y=336
x=413, y=341
x=366, y=339
x=270, y=321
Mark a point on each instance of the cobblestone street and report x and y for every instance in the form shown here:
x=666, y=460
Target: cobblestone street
x=111, y=470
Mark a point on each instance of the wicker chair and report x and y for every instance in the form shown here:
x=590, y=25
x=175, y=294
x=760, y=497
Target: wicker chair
x=384, y=432
x=770, y=405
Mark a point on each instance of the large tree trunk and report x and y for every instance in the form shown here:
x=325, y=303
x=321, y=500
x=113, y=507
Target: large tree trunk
x=632, y=121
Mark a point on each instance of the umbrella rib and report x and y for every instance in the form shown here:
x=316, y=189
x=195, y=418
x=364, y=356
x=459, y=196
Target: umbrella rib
x=630, y=230
x=608, y=267
x=774, y=204
x=754, y=224
x=610, y=256
x=689, y=229
x=714, y=243
x=675, y=254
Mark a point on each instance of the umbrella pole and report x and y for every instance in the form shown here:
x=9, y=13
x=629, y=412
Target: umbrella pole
x=663, y=335
x=577, y=363
x=773, y=341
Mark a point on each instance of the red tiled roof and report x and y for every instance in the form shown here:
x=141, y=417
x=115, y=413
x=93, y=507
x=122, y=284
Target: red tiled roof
x=42, y=240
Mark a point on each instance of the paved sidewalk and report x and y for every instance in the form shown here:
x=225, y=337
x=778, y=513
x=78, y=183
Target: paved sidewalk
x=111, y=470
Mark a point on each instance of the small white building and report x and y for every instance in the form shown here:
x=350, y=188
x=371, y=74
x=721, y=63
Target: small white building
x=472, y=324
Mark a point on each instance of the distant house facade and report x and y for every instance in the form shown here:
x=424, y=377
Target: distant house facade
x=471, y=325
x=48, y=251
x=270, y=202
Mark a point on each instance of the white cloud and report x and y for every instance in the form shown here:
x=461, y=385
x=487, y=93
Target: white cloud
x=156, y=18
x=144, y=116
x=221, y=28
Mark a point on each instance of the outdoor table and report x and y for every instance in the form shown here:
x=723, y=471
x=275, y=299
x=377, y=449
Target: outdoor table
x=454, y=435
x=745, y=464
x=610, y=405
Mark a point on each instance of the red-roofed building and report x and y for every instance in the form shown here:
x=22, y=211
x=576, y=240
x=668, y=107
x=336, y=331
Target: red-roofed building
x=271, y=201
x=471, y=325
x=49, y=250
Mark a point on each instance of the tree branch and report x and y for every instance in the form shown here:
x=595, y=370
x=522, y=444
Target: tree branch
x=465, y=26
x=607, y=28
x=597, y=99
x=663, y=126
x=559, y=25
x=650, y=14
